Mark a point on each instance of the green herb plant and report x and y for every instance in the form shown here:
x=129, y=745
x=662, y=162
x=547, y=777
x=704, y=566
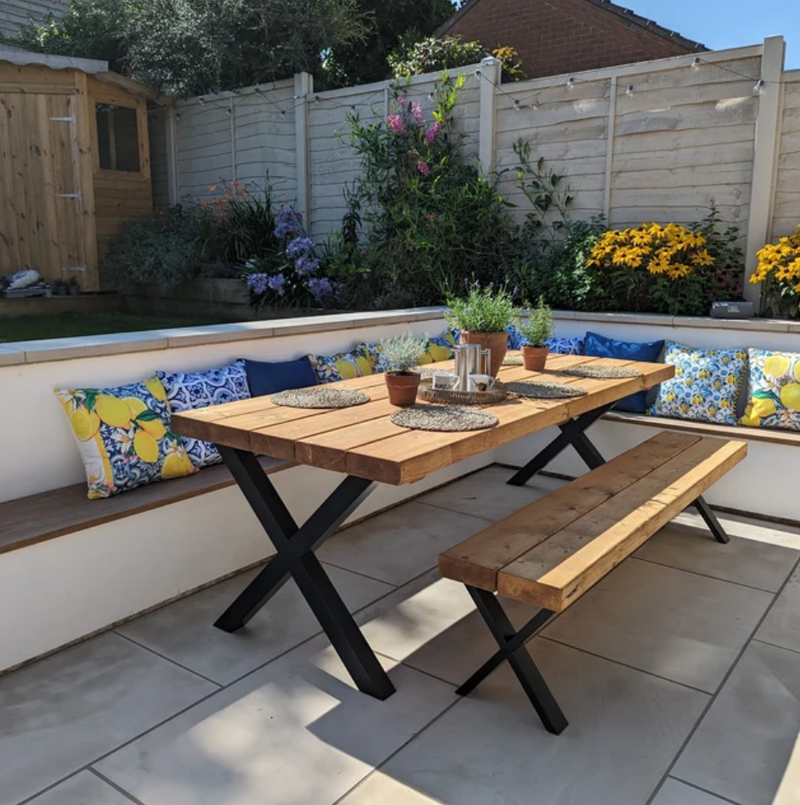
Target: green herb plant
x=403, y=352
x=539, y=326
x=486, y=309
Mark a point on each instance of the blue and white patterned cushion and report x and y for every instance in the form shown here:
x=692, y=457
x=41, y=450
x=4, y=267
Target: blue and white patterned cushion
x=188, y=390
x=558, y=346
x=705, y=387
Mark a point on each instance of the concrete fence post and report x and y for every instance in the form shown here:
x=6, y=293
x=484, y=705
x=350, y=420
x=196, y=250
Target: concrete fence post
x=490, y=77
x=173, y=180
x=303, y=95
x=765, y=160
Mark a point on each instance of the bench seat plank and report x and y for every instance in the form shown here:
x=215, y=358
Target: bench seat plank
x=52, y=514
x=558, y=571
x=477, y=560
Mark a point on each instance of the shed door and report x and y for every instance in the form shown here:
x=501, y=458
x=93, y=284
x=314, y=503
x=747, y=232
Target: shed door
x=40, y=199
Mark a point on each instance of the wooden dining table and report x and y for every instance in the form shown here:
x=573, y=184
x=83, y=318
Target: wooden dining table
x=363, y=444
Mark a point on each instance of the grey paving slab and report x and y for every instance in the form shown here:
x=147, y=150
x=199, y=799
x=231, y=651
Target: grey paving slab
x=742, y=746
x=743, y=560
x=63, y=712
x=399, y=544
x=295, y=732
x=184, y=631
x=678, y=625
x=487, y=494
x=490, y=749
x=782, y=625
x=674, y=792
x=84, y=788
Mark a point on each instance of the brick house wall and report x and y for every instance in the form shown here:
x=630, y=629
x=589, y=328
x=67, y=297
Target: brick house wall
x=563, y=36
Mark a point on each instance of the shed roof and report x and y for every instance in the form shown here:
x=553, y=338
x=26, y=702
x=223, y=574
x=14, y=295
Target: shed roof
x=94, y=67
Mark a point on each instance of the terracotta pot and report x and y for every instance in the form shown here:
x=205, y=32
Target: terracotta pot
x=402, y=388
x=535, y=358
x=496, y=342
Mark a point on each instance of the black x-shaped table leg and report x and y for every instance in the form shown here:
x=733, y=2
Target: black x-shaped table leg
x=573, y=432
x=295, y=557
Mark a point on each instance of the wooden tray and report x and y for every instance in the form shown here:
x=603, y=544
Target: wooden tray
x=446, y=397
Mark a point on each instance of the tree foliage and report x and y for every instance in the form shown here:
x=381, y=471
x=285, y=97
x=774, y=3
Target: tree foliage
x=192, y=47
x=391, y=25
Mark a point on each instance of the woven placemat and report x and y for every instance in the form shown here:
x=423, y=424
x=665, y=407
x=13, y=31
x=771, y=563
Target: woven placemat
x=543, y=390
x=443, y=418
x=319, y=398
x=513, y=360
x=601, y=372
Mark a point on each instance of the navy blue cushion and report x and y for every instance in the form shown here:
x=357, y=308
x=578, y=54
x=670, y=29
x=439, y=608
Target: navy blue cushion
x=599, y=346
x=264, y=377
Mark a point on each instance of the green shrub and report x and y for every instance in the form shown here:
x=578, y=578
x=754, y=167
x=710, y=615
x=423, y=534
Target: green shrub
x=482, y=310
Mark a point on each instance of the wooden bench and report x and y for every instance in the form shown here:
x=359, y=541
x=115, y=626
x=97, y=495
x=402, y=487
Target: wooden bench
x=554, y=550
x=37, y=518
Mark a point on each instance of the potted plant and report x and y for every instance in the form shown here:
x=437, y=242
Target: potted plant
x=401, y=353
x=59, y=288
x=536, y=330
x=483, y=316
x=73, y=289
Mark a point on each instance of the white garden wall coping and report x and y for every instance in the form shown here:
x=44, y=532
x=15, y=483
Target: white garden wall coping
x=61, y=349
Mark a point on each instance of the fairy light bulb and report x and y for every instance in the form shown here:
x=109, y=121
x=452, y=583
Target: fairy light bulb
x=758, y=89
x=517, y=107
x=696, y=63
x=629, y=90
x=570, y=83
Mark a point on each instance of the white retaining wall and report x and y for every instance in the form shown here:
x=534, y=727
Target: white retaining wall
x=94, y=578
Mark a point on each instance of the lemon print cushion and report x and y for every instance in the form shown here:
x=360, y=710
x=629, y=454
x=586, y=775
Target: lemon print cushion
x=773, y=394
x=123, y=436
x=440, y=348
x=188, y=390
x=343, y=365
x=705, y=387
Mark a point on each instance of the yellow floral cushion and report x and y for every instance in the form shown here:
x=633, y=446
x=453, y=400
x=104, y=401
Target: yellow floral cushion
x=773, y=395
x=343, y=365
x=124, y=436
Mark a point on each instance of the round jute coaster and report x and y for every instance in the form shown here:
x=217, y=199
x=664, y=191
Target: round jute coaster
x=319, y=398
x=601, y=372
x=513, y=360
x=543, y=390
x=443, y=418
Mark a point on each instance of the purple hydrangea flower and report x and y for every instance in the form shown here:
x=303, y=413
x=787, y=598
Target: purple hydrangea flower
x=306, y=265
x=321, y=288
x=258, y=283
x=276, y=283
x=289, y=221
x=299, y=247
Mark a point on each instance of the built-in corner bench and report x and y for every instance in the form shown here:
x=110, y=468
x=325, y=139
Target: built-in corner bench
x=554, y=550
x=37, y=518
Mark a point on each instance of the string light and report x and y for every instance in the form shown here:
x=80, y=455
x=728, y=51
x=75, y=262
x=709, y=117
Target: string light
x=570, y=83
x=228, y=111
x=696, y=63
x=629, y=90
x=201, y=101
x=517, y=107
x=758, y=89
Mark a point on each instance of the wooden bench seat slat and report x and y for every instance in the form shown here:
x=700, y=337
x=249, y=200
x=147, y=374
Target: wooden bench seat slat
x=477, y=560
x=52, y=514
x=558, y=571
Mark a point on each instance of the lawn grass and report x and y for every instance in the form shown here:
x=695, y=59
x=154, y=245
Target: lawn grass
x=66, y=325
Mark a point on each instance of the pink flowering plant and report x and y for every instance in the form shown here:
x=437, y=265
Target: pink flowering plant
x=425, y=215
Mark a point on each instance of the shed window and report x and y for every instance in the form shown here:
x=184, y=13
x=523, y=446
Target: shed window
x=117, y=138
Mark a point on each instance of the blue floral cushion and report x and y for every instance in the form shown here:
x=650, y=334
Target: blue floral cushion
x=705, y=387
x=558, y=346
x=188, y=390
x=773, y=397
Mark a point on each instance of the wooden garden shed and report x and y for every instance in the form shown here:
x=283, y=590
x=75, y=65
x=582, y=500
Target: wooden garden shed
x=74, y=162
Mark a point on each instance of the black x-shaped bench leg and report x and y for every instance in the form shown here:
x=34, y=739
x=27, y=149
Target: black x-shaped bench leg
x=573, y=432
x=512, y=649
x=295, y=557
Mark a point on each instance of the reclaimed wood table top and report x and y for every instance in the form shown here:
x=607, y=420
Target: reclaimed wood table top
x=362, y=441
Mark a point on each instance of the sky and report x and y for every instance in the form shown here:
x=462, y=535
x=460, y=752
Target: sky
x=722, y=24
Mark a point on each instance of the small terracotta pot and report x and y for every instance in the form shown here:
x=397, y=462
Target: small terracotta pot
x=402, y=388
x=535, y=358
x=496, y=342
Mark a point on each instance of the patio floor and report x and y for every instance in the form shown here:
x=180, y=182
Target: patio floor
x=679, y=673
